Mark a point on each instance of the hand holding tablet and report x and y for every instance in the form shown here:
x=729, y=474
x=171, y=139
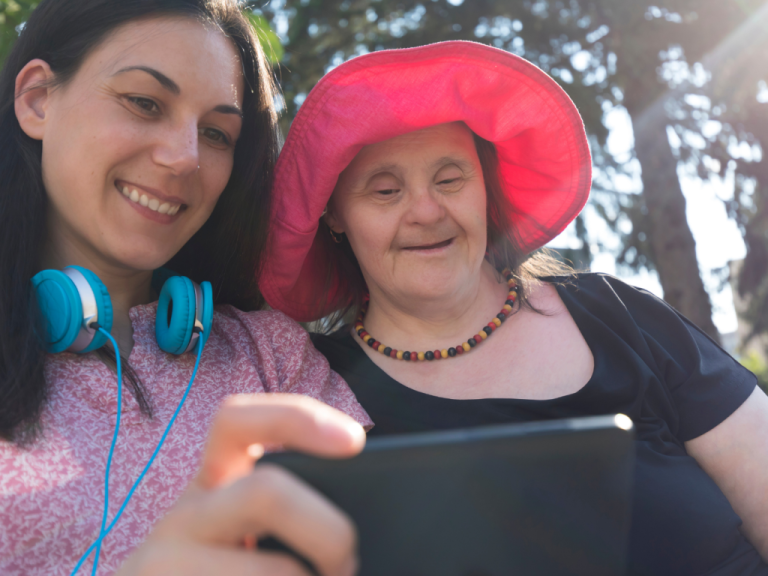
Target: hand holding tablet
x=541, y=498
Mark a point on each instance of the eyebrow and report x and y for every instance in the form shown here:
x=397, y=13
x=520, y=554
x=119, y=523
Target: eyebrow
x=228, y=109
x=164, y=81
x=174, y=89
x=462, y=163
x=377, y=170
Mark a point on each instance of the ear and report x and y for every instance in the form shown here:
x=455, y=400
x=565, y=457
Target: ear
x=333, y=222
x=32, y=97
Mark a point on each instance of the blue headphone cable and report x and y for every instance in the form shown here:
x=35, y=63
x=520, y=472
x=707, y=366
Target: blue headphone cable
x=103, y=532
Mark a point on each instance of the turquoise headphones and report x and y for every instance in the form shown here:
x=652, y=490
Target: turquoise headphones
x=77, y=317
x=74, y=304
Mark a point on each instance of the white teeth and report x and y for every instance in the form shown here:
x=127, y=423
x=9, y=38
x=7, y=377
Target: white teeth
x=151, y=203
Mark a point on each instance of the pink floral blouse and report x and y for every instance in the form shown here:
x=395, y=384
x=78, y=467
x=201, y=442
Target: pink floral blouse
x=51, y=494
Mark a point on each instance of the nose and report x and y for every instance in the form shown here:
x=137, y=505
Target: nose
x=177, y=148
x=425, y=207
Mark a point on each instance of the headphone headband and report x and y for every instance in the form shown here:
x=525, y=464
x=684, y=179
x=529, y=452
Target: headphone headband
x=198, y=327
x=74, y=303
x=90, y=310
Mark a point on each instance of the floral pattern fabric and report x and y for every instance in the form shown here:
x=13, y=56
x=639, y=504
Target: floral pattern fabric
x=51, y=493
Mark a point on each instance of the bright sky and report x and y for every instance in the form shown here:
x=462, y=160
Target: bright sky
x=718, y=240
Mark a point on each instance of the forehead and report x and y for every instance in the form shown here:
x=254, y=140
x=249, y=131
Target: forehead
x=194, y=55
x=442, y=140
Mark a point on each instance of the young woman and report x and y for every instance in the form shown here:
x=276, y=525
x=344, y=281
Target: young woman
x=410, y=180
x=135, y=135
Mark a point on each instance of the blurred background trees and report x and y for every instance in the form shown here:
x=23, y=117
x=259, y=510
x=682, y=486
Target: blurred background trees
x=690, y=76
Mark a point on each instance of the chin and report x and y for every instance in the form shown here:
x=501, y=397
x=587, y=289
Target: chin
x=147, y=258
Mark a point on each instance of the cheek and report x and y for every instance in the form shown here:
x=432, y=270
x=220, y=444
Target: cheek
x=215, y=172
x=74, y=136
x=473, y=215
x=370, y=234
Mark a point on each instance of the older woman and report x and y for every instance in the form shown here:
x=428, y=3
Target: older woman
x=139, y=134
x=411, y=188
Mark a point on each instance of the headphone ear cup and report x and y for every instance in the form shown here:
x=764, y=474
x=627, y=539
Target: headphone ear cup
x=207, y=314
x=175, y=315
x=60, y=309
x=103, y=305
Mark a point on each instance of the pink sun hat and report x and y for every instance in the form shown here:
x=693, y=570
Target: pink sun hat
x=544, y=160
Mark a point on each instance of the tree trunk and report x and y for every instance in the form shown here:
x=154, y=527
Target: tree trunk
x=670, y=236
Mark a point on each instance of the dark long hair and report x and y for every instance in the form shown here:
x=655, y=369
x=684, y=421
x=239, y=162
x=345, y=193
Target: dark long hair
x=227, y=250
x=502, y=251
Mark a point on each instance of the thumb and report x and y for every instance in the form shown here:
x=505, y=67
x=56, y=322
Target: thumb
x=245, y=423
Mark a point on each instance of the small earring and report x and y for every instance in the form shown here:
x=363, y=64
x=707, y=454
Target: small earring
x=325, y=211
x=336, y=237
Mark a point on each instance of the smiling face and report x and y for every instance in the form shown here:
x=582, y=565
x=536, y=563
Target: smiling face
x=414, y=211
x=139, y=145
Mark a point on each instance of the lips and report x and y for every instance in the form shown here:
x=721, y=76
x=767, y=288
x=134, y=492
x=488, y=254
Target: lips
x=434, y=246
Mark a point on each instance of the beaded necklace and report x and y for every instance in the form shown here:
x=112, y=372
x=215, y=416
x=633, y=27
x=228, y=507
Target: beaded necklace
x=486, y=331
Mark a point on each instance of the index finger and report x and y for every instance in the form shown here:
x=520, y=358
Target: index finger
x=294, y=421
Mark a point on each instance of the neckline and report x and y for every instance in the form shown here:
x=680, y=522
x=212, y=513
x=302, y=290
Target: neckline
x=576, y=315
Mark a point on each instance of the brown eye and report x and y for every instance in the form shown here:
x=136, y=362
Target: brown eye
x=215, y=136
x=145, y=104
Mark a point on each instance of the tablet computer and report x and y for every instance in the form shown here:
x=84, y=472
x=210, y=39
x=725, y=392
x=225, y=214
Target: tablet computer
x=540, y=498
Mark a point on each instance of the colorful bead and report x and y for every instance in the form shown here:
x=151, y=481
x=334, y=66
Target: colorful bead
x=486, y=331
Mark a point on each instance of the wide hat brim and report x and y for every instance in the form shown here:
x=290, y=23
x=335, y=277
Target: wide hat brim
x=544, y=159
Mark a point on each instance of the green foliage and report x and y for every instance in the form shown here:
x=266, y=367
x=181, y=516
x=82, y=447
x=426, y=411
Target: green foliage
x=13, y=13
x=757, y=365
x=269, y=40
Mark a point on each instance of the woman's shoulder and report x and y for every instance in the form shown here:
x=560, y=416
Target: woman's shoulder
x=257, y=319
x=602, y=294
x=263, y=327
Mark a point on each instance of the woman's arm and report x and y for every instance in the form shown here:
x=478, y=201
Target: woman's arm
x=735, y=455
x=212, y=527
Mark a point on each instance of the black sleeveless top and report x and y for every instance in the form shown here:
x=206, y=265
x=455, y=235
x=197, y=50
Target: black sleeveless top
x=651, y=364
